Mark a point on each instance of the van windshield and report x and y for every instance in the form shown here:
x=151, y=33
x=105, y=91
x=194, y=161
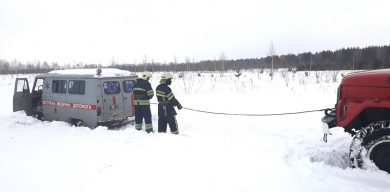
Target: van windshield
x=38, y=85
x=111, y=87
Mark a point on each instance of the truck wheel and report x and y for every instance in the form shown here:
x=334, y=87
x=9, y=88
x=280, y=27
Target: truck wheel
x=372, y=142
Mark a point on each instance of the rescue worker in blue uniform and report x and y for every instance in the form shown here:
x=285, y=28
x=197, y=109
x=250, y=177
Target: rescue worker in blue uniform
x=166, y=102
x=143, y=92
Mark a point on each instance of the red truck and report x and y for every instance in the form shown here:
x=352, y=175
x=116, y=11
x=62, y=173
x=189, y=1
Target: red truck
x=363, y=110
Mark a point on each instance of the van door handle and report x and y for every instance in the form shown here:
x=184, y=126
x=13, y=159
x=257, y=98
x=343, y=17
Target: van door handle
x=55, y=110
x=125, y=98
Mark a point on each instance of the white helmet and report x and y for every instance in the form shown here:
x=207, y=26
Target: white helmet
x=166, y=75
x=146, y=75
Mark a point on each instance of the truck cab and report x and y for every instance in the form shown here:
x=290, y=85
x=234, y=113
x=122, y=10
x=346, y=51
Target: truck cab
x=362, y=109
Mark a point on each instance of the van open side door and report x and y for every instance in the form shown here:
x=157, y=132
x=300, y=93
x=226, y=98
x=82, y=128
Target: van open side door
x=22, y=96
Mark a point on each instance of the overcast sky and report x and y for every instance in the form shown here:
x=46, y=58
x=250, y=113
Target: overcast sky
x=96, y=31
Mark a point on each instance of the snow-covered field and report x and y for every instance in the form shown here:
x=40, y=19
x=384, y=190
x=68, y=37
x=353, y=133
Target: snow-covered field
x=211, y=153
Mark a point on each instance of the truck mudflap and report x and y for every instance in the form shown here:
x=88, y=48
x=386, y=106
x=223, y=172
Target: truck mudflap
x=328, y=122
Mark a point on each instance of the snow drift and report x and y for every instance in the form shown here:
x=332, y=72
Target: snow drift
x=212, y=152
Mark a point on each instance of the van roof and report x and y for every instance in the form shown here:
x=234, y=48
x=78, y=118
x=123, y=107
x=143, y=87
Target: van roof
x=89, y=73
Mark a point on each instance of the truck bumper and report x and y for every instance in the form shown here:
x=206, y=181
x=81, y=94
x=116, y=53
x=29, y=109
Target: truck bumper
x=328, y=122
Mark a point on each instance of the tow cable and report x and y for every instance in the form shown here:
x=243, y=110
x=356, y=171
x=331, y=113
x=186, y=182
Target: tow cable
x=253, y=115
x=258, y=115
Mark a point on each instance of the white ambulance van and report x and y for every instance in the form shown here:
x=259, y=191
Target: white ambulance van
x=82, y=97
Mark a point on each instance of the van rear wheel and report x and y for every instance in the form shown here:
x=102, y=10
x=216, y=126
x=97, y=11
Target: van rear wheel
x=78, y=123
x=373, y=143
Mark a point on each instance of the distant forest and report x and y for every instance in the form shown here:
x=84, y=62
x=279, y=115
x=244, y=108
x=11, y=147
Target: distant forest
x=373, y=57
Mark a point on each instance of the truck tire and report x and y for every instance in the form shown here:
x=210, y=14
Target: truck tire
x=372, y=142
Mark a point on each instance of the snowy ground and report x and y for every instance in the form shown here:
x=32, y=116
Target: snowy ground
x=212, y=152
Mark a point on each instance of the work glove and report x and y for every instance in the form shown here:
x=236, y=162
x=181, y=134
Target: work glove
x=179, y=106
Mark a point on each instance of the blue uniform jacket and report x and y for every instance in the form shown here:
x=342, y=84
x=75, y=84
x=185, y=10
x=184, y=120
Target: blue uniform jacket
x=166, y=100
x=142, y=92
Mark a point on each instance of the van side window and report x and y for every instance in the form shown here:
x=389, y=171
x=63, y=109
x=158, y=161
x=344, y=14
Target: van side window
x=111, y=87
x=59, y=86
x=76, y=87
x=128, y=86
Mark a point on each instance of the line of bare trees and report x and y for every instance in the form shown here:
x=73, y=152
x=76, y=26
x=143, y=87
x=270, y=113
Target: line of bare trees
x=16, y=67
x=373, y=57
